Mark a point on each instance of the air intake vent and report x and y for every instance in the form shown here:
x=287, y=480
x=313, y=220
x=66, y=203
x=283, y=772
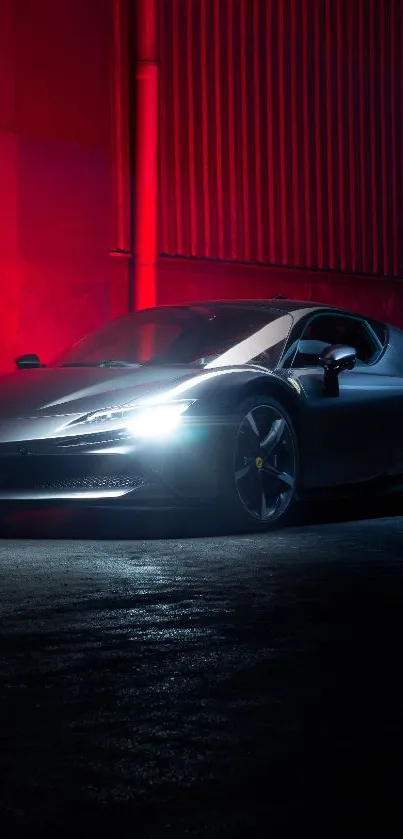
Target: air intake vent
x=95, y=482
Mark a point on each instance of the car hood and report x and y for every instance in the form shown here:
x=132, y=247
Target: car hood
x=73, y=391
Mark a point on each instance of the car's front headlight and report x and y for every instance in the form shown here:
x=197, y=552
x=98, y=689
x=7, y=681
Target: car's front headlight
x=153, y=420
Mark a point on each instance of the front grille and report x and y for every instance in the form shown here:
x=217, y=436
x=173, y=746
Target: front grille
x=72, y=472
x=95, y=482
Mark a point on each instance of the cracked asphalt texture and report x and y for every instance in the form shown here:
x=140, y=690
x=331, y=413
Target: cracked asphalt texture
x=216, y=686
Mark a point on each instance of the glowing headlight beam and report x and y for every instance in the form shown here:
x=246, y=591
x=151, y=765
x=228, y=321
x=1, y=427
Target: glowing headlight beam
x=150, y=420
x=157, y=421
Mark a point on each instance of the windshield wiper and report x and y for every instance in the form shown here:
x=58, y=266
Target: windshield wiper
x=109, y=362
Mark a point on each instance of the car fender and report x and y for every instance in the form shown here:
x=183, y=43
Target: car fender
x=220, y=391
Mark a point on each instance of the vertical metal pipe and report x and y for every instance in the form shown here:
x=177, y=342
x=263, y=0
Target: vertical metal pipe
x=145, y=157
x=120, y=140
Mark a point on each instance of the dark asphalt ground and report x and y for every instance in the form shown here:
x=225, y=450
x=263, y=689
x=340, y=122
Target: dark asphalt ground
x=231, y=686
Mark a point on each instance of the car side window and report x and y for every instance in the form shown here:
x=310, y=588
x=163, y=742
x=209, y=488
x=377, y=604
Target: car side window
x=326, y=329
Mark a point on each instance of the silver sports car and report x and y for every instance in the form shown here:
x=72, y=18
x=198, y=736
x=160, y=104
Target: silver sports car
x=236, y=406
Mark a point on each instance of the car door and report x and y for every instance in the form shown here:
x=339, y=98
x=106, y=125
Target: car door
x=357, y=435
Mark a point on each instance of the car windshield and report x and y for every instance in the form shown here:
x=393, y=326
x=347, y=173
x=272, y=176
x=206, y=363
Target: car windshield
x=175, y=335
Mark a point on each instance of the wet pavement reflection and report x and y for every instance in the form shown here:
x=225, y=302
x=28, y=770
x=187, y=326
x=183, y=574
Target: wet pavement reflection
x=201, y=686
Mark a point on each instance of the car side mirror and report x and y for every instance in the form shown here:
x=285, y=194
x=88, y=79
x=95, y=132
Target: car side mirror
x=28, y=362
x=335, y=359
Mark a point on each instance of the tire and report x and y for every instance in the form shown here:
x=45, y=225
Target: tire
x=259, y=466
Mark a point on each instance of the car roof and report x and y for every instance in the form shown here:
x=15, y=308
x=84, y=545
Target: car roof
x=278, y=305
x=283, y=304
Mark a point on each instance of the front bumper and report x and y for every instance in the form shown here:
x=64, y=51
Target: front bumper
x=112, y=468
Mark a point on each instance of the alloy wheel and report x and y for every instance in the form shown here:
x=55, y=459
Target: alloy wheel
x=265, y=463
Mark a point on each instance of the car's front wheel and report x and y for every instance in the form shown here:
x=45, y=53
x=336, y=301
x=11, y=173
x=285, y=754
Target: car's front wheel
x=259, y=466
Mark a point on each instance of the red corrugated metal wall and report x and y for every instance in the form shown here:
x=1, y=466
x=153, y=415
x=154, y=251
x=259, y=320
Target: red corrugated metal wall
x=55, y=173
x=281, y=132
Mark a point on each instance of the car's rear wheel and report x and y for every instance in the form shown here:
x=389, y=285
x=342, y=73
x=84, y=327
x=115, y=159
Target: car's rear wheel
x=260, y=466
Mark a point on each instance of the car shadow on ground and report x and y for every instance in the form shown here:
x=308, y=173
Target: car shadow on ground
x=123, y=524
